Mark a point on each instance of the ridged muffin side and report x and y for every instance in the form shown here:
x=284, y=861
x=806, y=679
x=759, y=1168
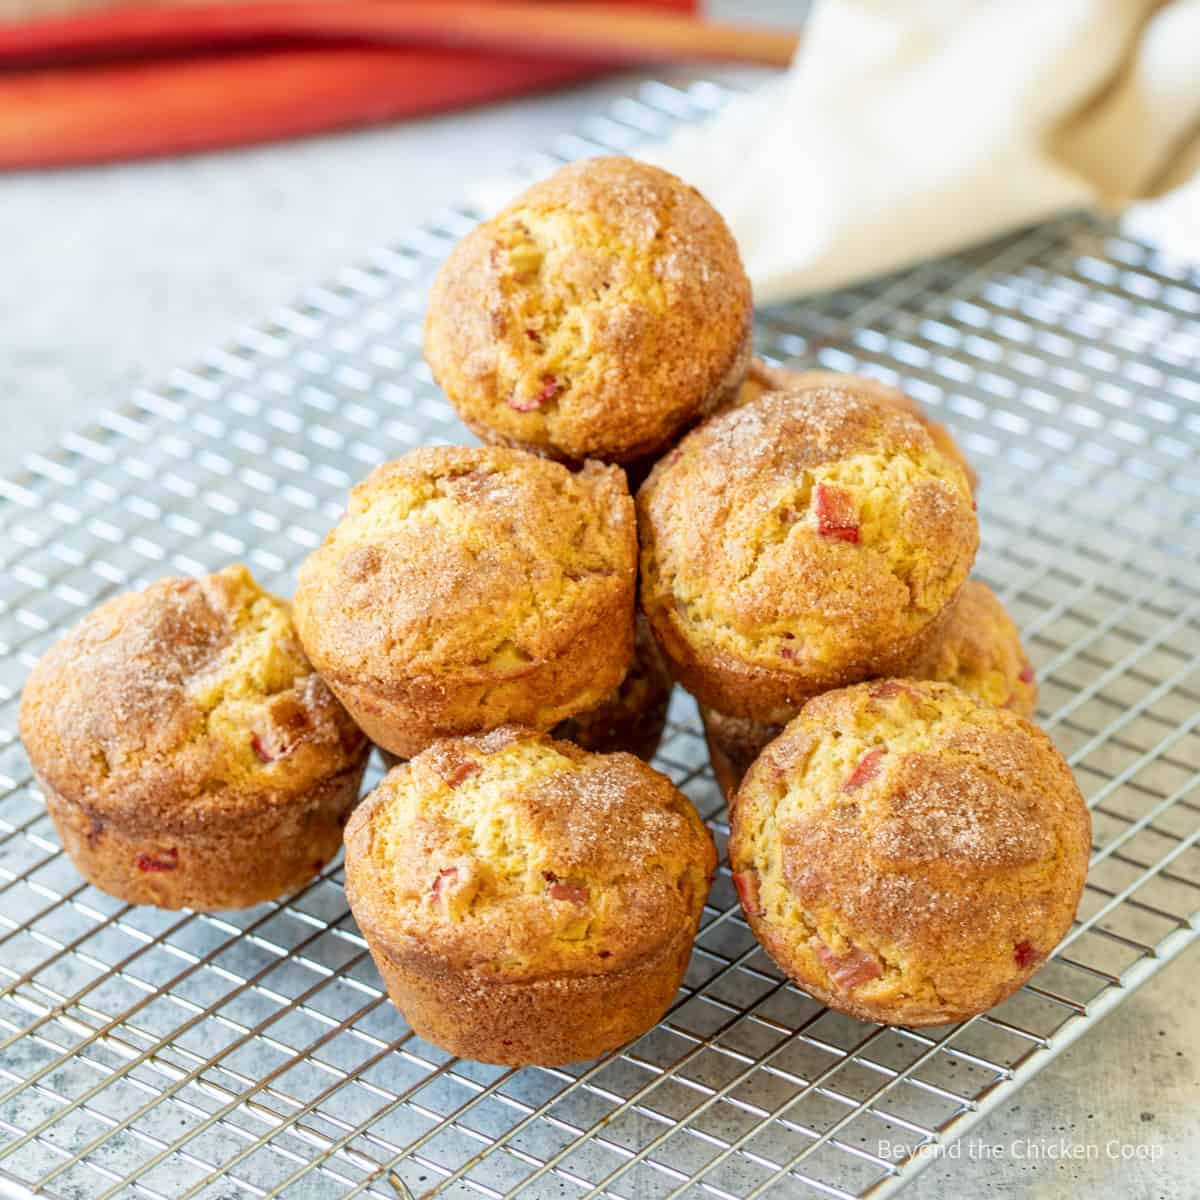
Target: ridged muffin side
x=631, y=718
x=524, y=900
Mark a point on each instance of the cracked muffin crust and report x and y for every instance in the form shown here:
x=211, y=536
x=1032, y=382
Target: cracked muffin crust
x=762, y=378
x=599, y=314
x=526, y=901
x=908, y=854
x=189, y=754
x=799, y=542
x=467, y=588
x=977, y=648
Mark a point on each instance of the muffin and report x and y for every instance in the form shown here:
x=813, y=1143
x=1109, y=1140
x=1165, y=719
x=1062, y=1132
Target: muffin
x=799, y=542
x=631, y=718
x=978, y=649
x=525, y=901
x=908, y=854
x=602, y=312
x=189, y=754
x=733, y=744
x=466, y=588
x=761, y=377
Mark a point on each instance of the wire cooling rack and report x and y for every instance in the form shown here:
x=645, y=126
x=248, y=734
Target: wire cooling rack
x=158, y=1054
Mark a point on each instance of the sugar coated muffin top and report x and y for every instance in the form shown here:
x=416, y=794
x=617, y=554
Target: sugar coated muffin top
x=807, y=533
x=518, y=858
x=905, y=848
x=764, y=378
x=466, y=563
x=596, y=315
x=978, y=648
x=166, y=702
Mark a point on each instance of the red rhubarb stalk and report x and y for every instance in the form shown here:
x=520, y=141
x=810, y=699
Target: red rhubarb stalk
x=70, y=116
x=570, y=892
x=619, y=32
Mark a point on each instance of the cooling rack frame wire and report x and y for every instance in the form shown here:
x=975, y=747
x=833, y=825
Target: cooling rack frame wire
x=178, y=1055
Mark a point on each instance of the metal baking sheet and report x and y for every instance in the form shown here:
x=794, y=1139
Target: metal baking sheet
x=158, y=1054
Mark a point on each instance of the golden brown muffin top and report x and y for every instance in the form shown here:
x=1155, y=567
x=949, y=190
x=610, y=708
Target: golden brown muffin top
x=595, y=316
x=804, y=528
x=905, y=823
x=762, y=378
x=978, y=649
x=465, y=564
x=192, y=695
x=520, y=858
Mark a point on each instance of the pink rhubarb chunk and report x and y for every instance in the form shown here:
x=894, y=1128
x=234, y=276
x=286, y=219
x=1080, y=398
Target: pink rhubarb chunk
x=746, y=883
x=1026, y=675
x=550, y=388
x=889, y=689
x=444, y=882
x=836, y=514
x=867, y=769
x=454, y=771
x=850, y=969
x=1024, y=954
x=570, y=892
x=167, y=860
x=268, y=753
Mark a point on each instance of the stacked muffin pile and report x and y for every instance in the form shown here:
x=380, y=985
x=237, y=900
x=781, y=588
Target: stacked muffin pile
x=905, y=844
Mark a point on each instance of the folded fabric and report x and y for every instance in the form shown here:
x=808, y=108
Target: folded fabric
x=904, y=131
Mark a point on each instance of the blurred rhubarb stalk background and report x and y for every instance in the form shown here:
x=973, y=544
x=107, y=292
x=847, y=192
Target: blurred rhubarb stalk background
x=137, y=81
x=28, y=10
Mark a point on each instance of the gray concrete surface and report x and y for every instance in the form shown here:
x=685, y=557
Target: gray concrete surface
x=110, y=276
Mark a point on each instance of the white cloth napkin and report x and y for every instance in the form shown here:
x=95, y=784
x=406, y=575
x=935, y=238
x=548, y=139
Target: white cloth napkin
x=905, y=130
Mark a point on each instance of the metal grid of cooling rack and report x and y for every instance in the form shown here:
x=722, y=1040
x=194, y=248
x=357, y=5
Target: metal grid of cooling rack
x=156, y=1054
